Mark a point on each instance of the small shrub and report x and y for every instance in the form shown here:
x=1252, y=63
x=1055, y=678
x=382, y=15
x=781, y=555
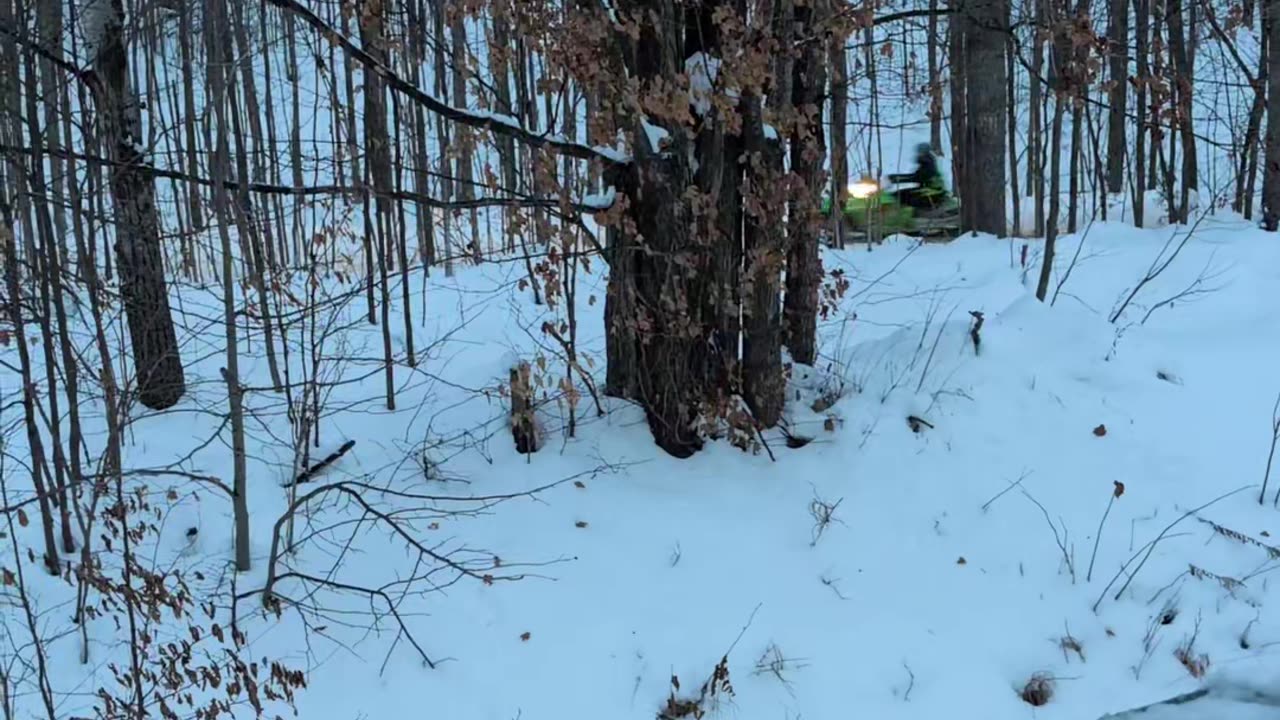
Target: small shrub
x=716, y=687
x=1197, y=664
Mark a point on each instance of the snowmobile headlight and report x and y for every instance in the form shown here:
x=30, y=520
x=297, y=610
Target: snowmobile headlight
x=863, y=190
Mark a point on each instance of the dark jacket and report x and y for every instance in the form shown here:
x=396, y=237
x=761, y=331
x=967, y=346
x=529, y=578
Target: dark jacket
x=926, y=174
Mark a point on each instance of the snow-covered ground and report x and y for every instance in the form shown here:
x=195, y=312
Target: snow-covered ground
x=955, y=565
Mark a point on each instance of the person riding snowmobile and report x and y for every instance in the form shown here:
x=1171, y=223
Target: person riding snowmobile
x=930, y=190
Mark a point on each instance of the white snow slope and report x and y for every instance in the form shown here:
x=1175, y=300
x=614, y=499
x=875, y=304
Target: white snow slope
x=937, y=590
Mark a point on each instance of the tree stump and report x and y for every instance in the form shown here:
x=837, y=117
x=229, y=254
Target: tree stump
x=523, y=429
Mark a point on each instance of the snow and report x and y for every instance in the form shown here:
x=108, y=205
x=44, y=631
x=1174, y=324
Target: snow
x=702, y=70
x=601, y=201
x=936, y=584
x=939, y=584
x=658, y=136
x=613, y=154
x=1218, y=699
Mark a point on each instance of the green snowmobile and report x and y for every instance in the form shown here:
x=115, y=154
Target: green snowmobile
x=926, y=210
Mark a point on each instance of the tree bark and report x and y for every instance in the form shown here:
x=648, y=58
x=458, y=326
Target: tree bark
x=1011, y=126
x=157, y=362
x=1247, y=182
x=1271, y=173
x=1184, y=82
x=1142, y=29
x=808, y=149
x=378, y=163
x=1061, y=87
x=935, y=79
x=763, y=241
x=985, y=99
x=659, y=274
x=1035, y=133
x=500, y=67
x=1118, y=94
x=464, y=136
x=49, y=22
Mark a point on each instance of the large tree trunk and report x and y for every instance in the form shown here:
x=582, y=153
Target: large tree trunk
x=670, y=345
x=764, y=240
x=660, y=273
x=764, y=236
x=718, y=145
x=934, y=73
x=1117, y=123
x=1271, y=174
x=157, y=363
x=808, y=149
x=985, y=99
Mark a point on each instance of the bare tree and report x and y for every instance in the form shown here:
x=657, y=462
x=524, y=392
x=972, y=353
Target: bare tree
x=31, y=418
x=217, y=36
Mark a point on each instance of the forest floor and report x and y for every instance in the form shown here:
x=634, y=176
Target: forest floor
x=886, y=569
